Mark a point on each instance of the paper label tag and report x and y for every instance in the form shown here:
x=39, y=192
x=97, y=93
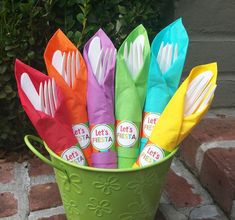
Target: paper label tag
x=150, y=119
x=127, y=133
x=102, y=137
x=82, y=133
x=74, y=154
x=150, y=154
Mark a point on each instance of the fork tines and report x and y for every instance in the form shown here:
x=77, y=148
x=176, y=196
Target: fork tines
x=70, y=67
x=197, y=91
x=48, y=97
x=134, y=57
x=105, y=61
x=67, y=64
x=167, y=55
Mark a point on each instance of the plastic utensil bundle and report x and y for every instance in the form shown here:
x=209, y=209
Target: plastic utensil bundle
x=65, y=64
x=44, y=104
x=168, y=53
x=100, y=55
x=130, y=90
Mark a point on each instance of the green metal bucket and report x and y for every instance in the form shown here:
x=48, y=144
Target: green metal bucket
x=107, y=194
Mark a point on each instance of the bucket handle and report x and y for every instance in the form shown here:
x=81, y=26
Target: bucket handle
x=27, y=139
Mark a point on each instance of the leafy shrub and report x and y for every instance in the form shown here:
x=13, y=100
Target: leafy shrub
x=27, y=25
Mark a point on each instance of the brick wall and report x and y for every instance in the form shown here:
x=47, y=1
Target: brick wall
x=211, y=28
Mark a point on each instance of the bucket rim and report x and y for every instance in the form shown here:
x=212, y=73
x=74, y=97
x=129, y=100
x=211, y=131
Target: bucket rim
x=123, y=170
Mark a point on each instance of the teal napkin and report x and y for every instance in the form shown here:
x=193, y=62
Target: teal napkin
x=168, y=53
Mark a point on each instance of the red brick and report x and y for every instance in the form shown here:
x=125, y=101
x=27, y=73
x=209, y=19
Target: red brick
x=188, y=151
x=180, y=192
x=55, y=217
x=6, y=172
x=218, y=176
x=8, y=204
x=159, y=216
x=208, y=130
x=44, y=196
x=37, y=168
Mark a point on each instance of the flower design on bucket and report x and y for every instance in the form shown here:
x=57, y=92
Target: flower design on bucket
x=71, y=182
x=99, y=207
x=136, y=211
x=108, y=185
x=71, y=207
x=140, y=182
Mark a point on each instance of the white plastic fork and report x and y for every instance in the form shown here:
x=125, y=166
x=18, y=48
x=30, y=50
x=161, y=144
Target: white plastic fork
x=67, y=64
x=48, y=97
x=166, y=56
x=134, y=57
x=100, y=59
x=105, y=61
x=195, y=105
x=207, y=99
x=195, y=89
x=197, y=96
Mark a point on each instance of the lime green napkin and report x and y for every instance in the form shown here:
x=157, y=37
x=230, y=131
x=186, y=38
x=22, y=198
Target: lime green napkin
x=130, y=90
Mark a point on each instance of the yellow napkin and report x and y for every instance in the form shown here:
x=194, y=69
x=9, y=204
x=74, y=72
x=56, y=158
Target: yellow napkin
x=173, y=126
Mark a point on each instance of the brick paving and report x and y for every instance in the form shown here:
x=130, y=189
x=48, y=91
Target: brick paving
x=200, y=184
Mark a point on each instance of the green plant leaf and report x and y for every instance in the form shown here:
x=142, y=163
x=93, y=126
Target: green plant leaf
x=2, y=95
x=31, y=54
x=3, y=68
x=69, y=34
x=122, y=9
x=11, y=54
x=80, y=18
x=10, y=47
x=8, y=89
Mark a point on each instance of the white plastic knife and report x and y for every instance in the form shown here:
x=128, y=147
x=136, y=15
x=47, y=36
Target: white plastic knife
x=94, y=53
x=30, y=90
x=57, y=60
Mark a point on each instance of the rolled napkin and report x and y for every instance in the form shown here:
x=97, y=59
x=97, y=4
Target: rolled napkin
x=44, y=104
x=168, y=53
x=100, y=56
x=130, y=90
x=184, y=111
x=65, y=64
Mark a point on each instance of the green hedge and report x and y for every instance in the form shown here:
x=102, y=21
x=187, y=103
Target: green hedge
x=26, y=27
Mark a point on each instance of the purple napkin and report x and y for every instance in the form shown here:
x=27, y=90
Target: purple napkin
x=100, y=57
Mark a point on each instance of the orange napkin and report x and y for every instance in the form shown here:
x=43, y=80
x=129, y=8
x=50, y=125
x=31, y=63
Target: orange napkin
x=75, y=97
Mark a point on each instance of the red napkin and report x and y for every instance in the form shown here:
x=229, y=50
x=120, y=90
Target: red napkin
x=55, y=131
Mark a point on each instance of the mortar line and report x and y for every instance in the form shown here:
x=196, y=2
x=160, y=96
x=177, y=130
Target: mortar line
x=45, y=213
x=22, y=186
x=42, y=179
x=210, y=145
